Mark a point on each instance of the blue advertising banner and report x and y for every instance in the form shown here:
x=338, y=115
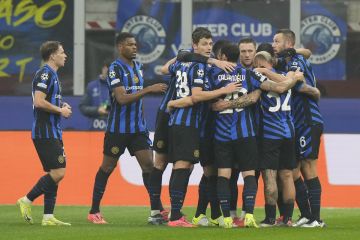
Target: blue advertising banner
x=24, y=25
x=156, y=26
x=323, y=31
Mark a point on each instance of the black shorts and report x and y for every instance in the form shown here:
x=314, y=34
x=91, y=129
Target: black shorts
x=242, y=153
x=278, y=154
x=207, y=152
x=51, y=153
x=308, y=141
x=116, y=143
x=161, y=137
x=184, y=144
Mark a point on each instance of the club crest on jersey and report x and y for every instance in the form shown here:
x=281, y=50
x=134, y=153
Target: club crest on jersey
x=160, y=144
x=61, y=159
x=149, y=33
x=322, y=36
x=197, y=153
x=112, y=74
x=136, y=79
x=44, y=76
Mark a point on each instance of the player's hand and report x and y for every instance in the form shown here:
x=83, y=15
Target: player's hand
x=158, y=87
x=287, y=53
x=102, y=111
x=65, y=104
x=66, y=112
x=224, y=65
x=231, y=87
x=220, y=105
x=299, y=76
x=170, y=106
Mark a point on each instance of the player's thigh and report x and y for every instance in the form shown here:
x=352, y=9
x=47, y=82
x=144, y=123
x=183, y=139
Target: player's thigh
x=246, y=154
x=308, y=139
x=114, y=145
x=51, y=153
x=161, y=142
x=224, y=154
x=287, y=155
x=270, y=154
x=184, y=144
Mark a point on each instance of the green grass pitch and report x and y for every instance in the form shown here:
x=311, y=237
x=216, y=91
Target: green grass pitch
x=131, y=223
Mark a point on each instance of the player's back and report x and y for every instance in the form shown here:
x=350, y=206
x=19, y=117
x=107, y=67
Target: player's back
x=188, y=75
x=127, y=118
x=305, y=109
x=232, y=124
x=277, y=121
x=46, y=124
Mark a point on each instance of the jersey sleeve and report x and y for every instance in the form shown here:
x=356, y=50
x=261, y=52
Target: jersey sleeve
x=43, y=81
x=198, y=75
x=172, y=68
x=257, y=79
x=115, y=76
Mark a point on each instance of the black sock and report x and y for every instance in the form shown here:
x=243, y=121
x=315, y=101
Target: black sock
x=249, y=193
x=203, y=196
x=280, y=202
x=214, y=202
x=178, y=191
x=234, y=188
x=288, y=211
x=99, y=189
x=155, y=180
x=223, y=193
x=314, y=187
x=302, y=198
x=50, y=199
x=44, y=183
x=270, y=212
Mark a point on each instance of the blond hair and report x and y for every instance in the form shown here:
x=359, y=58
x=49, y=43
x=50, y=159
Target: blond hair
x=265, y=56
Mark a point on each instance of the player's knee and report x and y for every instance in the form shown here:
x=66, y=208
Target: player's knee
x=108, y=168
x=57, y=174
x=160, y=163
x=309, y=169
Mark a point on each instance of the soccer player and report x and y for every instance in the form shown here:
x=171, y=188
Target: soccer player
x=126, y=126
x=46, y=133
x=157, y=215
x=184, y=121
x=308, y=129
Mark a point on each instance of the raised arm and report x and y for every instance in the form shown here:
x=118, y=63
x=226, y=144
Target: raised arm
x=198, y=95
x=165, y=68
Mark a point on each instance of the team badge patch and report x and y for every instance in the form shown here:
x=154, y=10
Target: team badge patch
x=61, y=159
x=115, y=150
x=160, y=144
x=196, y=153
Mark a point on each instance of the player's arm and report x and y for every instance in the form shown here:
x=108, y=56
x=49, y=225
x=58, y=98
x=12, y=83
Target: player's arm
x=186, y=56
x=271, y=75
x=280, y=87
x=41, y=103
x=124, y=98
x=198, y=95
x=309, y=90
x=180, y=103
x=165, y=68
x=304, y=51
x=241, y=102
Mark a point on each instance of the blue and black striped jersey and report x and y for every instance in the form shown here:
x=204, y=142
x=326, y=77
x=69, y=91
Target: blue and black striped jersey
x=232, y=124
x=126, y=118
x=188, y=75
x=169, y=95
x=305, y=109
x=45, y=124
x=277, y=121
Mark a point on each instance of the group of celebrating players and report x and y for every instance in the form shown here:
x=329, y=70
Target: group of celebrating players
x=241, y=110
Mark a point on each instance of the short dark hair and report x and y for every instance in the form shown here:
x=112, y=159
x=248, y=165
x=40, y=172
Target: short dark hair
x=121, y=37
x=247, y=40
x=288, y=34
x=267, y=47
x=48, y=48
x=219, y=45
x=200, y=33
x=231, y=51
